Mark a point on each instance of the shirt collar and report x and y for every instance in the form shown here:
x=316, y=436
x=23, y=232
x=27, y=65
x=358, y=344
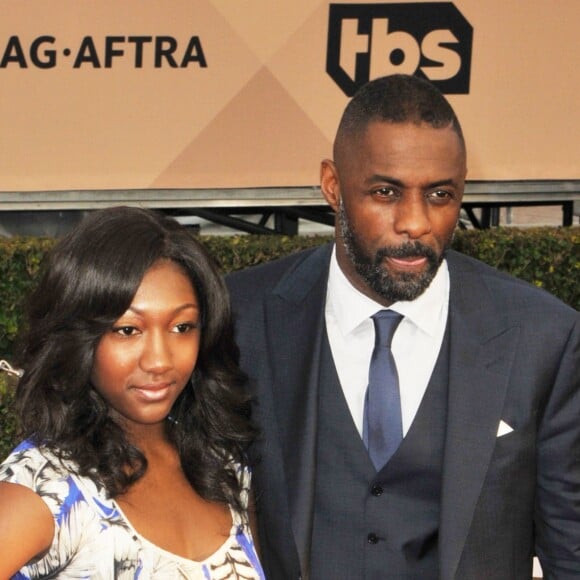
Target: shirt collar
x=350, y=307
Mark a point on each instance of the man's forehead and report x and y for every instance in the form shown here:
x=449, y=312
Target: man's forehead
x=348, y=140
x=382, y=138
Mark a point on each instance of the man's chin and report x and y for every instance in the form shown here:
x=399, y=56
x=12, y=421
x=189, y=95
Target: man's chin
x=401, y=286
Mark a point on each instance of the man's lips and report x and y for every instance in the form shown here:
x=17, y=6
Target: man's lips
x=409, y=263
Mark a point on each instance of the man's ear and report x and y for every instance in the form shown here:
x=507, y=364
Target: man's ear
x=329, y=184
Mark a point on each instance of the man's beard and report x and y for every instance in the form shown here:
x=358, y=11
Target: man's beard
x=391, y=287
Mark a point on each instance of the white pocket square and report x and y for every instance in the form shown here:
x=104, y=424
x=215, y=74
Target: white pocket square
x=503, y=429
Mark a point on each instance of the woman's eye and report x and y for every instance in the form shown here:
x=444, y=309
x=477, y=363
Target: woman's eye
x=125, y=330
x=184, y=327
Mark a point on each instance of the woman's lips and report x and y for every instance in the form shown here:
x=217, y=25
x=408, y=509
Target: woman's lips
x=153, y=392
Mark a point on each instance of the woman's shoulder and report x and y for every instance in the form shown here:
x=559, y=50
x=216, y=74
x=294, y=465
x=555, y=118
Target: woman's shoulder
x=25, y=462
x=90, y=534
x=48, y=474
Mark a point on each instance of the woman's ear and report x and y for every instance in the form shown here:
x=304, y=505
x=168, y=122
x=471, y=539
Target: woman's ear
x=329, y=184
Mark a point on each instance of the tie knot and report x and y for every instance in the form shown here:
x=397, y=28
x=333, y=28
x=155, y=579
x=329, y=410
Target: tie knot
x=386, y=322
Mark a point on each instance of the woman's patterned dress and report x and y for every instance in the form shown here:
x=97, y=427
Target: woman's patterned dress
x=94, y=540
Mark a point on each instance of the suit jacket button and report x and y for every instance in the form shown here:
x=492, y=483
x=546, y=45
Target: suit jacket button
x=377, y=490
x=372, y=539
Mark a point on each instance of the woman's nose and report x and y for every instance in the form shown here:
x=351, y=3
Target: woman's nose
x=156, y=355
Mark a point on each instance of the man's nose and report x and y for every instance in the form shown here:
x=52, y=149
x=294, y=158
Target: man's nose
x=412, y=217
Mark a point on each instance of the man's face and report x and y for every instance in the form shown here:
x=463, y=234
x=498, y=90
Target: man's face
x=397, y=192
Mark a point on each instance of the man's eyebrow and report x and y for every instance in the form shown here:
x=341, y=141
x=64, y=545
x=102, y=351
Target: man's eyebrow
x=385, y=178
x=388, y=179
x=443, y=182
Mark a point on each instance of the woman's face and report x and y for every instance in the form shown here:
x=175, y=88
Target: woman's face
x=143, y=363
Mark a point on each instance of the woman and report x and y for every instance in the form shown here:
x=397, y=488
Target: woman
x=133, y=411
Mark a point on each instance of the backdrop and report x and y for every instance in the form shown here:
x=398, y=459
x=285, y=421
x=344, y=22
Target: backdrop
x=222, y=93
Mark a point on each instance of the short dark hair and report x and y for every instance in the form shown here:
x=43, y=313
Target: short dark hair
x=396, y=99
x=88, y=281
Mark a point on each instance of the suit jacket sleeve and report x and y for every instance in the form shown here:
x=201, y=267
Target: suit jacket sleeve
x=557, y=508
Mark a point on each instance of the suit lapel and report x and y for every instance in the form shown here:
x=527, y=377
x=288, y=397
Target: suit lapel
x=481, y=356
x=295, y=322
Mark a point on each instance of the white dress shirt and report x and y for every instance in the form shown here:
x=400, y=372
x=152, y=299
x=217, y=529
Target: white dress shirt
x=416, y=343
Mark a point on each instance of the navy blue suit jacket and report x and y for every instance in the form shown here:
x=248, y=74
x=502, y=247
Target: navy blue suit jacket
x=514, y=357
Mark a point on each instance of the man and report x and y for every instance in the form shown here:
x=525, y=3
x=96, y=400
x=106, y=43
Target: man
x=479, y=412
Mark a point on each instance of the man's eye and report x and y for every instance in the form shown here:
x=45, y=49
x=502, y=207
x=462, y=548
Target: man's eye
x=385, y=191
x=440, y=193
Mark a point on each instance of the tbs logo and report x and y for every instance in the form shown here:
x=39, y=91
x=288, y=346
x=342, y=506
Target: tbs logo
x=430, y=39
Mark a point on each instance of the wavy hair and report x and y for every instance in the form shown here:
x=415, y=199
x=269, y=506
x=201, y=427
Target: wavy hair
x=88, y=281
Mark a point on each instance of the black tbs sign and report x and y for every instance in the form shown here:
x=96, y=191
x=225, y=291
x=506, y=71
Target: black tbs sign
x=432, y=40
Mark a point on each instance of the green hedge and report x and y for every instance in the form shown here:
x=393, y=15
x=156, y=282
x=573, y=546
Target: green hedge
x=547, y=257
x=8, y=425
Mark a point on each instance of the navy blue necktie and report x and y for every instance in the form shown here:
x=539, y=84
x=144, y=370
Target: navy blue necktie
x=382, y=423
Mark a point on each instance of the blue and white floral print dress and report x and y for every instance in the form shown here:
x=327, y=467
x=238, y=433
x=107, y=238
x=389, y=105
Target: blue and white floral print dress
x=93, y=539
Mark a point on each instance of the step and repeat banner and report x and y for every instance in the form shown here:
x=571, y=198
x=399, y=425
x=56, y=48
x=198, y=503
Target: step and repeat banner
x=222, y=93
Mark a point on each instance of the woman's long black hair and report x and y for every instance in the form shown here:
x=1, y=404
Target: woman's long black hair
x=88, y=281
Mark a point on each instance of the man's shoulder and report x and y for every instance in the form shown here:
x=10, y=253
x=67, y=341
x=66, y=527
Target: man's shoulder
x=269, y=274
x=503, y=287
